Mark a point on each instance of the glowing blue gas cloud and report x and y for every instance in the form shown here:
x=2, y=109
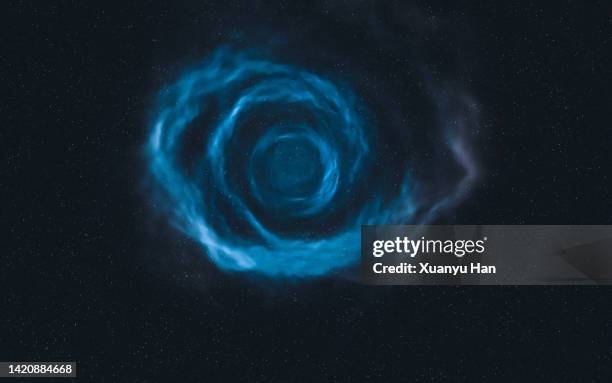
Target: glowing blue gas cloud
x=250, y=158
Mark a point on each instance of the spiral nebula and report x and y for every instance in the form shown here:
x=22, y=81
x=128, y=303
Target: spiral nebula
x=264, y=164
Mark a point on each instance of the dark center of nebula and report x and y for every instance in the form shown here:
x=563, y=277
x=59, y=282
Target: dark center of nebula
x=294, y=167
x=287, y=172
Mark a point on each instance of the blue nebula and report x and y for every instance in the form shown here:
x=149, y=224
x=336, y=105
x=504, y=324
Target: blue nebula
x=242, y=148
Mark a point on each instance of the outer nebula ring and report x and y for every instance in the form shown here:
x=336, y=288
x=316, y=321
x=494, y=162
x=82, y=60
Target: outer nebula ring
x=242, y=148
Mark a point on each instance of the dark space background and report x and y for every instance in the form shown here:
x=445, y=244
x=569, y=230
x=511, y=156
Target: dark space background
x=90, y=274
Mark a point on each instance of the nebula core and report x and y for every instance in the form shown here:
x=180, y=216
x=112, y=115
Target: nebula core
x=267, y=165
